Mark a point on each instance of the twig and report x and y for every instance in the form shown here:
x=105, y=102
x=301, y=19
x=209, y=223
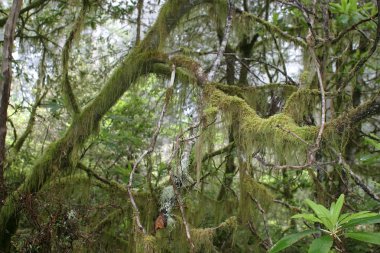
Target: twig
x=146, y=152
x=290, y=207
x=311, y=44
x=265, y=220
x=288, y=167
x=358, y=180
x=293, y=134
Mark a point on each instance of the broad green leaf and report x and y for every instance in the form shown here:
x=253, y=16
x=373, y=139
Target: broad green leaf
x=321, y=245
x=365, y=237
x=322, y=213
x=361, y=221
x=348, y=217
x=335, y=8
x=307, y=216
x=290, y=240
x=336, y=208
x=344, y=5
x=343, y=217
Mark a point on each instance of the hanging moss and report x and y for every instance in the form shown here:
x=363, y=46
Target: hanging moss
x=301, y=103
x=258, y=191
x=259, y=97
x=264, y=134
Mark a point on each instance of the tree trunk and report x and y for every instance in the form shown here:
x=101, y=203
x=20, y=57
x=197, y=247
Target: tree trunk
x=5, y=87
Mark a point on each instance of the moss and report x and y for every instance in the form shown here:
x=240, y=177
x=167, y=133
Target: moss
x=149, y=243
x=301, y=103
x=203, y=239
x=259, y=192
x=263, y=133
x=229, y=224
x=258, y=97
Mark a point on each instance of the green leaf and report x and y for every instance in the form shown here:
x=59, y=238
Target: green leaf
x=307, y=216
x=361, y=221
x=348, y=217
x=365, y=237
x=322, y=213
x=344, y=5
x=290, y=240
x=321, y=244
x=336, y=208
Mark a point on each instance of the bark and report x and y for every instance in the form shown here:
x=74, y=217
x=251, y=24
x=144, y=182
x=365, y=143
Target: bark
x=5, y=86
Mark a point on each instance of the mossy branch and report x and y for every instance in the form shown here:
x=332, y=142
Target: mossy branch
x=68, y=94
x=264, y=133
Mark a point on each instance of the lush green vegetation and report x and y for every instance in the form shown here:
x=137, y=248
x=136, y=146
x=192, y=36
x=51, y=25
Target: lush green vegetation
x=189, y=126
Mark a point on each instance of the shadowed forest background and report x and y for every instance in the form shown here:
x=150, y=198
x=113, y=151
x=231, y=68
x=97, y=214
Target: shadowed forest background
x=189, y=126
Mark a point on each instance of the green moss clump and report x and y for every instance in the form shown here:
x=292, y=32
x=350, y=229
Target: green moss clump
x=257, y=133
x=301, y=103
x=203, y=239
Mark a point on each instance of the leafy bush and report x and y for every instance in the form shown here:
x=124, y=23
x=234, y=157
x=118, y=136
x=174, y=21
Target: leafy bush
x=334, y=227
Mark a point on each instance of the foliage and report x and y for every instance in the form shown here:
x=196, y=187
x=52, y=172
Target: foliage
x=336, y=226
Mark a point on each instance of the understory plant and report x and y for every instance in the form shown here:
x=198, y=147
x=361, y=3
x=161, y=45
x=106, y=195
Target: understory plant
x=334, y=226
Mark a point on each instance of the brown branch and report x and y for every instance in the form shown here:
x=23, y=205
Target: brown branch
x=265, y=220
x=358, y=180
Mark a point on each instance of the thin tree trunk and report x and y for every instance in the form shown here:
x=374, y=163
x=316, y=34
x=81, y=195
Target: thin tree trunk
x=5, y=87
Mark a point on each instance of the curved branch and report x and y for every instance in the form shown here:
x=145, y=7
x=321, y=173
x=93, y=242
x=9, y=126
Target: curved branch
x=272, y=28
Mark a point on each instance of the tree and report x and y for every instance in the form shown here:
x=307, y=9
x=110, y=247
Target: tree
x=93, y=164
